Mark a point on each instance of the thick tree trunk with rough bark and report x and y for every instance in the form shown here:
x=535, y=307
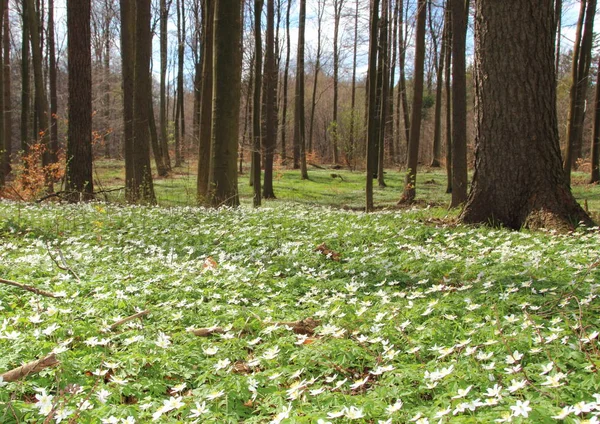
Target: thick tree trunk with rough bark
x=519, y=180
x=227, y=70
x=415, y=127
x=79, y=144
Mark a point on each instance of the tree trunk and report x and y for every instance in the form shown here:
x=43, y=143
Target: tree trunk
x=7, y=91
x=164, y=140
x=3, y=141
x=459, y=12
x=519, y=180
x=382, y=90
x=351, y=154
x=52, y=71
x=557, y=32
x=415, y=127
x=439, y=90
x=402, y=44
x=107, y=133
x=204, y=144
x=142, y=186
x=41, y=100
x=270, y=83
x=299, y=127
x=25, y=85
x=154, y=139
x=448, y=72
x=320, y=12
x=337, y=10
x=226, y=103
x=595, y=155
x=79, y=181
x=582, y=58
x=256, y=105
x=127, y=70
x=372, y=104
x=179, y=115
x=285, y=85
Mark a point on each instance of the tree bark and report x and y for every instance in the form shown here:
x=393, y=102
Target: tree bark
x=459, y=10
x=79, y=183
x=270, y=90
x=52, y=75
x=204, y=145
x=402, y=44
x=595, y=155
x=439, y=90
x=127, y=8
x=582, y=56
x=372, y=104
x=448, y=89
x=317, y=70
x=285, y=85
x=382, y=90
x=41, y=100
x=25, y=84
x=142, y=186
x=7, y=91
x=164, y=140
x=519, y=180
x=299, y=126
x=337, y=16
x=227, y=69
x=415, y=127
x=256, y=103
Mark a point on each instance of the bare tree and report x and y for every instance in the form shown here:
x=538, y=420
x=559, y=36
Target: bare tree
x=415, y=128
x=227, y=68
x=79, y=145
x=372, y=104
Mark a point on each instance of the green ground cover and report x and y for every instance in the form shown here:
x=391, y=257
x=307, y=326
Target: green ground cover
x=345, y=190
x=416, y=319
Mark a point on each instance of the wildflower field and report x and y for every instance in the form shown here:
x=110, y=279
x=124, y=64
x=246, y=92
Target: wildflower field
x=294, y=314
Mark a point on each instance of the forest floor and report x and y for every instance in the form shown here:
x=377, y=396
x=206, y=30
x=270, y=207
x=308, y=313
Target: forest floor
x=337, y=188
x=294, y=313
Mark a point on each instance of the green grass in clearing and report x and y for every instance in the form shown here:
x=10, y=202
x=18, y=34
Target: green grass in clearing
x=321, y=189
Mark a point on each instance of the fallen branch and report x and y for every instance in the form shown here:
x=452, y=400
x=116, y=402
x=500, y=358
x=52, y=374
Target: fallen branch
x=315, y=165
x=305, y=326
x=29, y=368
x=129, y=318
x=64, y=266
x=205, y=332
x=28, y=288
